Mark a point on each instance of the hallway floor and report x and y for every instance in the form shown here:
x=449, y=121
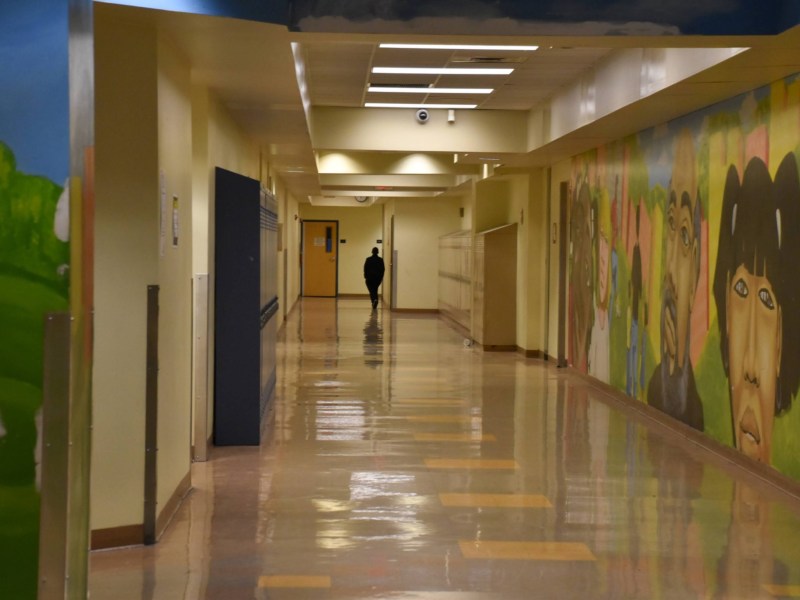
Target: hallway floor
x=404, y=465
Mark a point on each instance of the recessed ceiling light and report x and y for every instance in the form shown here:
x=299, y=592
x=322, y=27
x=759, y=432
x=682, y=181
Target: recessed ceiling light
x=417, y=105
x=440, y=71
x=460, y=47
x=427, y=90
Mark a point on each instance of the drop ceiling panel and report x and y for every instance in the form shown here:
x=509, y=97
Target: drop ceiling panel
x=339, y=73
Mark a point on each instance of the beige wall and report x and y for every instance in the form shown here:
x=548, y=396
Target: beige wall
x=289, y=254
x=288, y=251
x=419, y=222
x=126, y=262
x=467, y=204
x=362, y=227
x=388, y=249
x=175, y=273
x=558, y=173
x=492, y=204
x=532, y=270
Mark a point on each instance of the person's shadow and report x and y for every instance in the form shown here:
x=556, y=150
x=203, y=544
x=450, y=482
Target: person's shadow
x=373, y=341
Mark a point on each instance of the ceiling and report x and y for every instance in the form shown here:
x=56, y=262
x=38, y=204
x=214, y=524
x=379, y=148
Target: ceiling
x=254, y=69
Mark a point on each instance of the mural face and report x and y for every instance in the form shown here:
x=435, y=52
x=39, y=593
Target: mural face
x=708, y=204
x=599, y=341
x=582, y=311
x=672, y=388
x=754, y=350
x=754, y=289
x=602, y=236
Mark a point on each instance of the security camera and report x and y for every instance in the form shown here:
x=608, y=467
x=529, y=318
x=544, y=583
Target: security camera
x=423, y=115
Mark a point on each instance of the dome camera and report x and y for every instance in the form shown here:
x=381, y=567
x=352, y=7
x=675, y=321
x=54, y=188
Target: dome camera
x=423, y=115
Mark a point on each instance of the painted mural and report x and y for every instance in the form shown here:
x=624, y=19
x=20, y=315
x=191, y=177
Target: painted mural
x=683, y=291
x=34, y=258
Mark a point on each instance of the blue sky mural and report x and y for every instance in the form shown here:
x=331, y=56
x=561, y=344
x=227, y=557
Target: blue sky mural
x=35, y=102
x=271, y=11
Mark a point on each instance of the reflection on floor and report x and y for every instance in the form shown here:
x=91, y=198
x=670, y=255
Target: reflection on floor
x=405, y=465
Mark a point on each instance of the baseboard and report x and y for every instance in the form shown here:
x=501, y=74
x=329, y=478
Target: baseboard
x=540, y=354
x=499, y=347
x=172, y=505
x=116, y=537
x=133, y=535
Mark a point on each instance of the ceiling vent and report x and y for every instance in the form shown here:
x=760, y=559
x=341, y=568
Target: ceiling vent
x=488, y=60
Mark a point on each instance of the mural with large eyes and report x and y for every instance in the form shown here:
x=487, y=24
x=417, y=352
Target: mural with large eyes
x=682, y=273
x=757, y=293
x=582, y=313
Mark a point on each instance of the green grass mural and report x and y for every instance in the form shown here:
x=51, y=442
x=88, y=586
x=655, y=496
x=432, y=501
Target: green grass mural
x=34, y=280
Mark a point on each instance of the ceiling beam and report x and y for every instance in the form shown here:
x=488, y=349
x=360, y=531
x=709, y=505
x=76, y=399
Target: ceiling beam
x=396, y=129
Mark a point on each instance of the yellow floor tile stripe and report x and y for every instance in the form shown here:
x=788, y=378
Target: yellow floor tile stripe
x=469, y=463
x=791, y=591
x=454, y=437
x=431, y=401
x=294, y=581
x=495, y=500
x=526, y=550
x=442, y=419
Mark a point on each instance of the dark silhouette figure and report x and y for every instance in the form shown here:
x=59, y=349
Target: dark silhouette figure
x=373, y=275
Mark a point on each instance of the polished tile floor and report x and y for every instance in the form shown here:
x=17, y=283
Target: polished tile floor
x=406, y=465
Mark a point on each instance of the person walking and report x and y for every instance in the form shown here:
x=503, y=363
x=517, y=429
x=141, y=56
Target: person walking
x=373, y=275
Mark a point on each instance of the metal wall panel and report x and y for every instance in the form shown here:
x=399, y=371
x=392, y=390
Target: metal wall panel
x=200, y=405
x=151, y=419
x=54, y=458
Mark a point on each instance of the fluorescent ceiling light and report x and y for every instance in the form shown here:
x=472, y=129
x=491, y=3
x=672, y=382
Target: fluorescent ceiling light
x=440, y=71
x=460, y=47
x=417, y=105
x=427, y=90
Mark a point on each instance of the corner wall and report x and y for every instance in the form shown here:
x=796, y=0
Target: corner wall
x=173, y=135
x=418, y=223
x=288, y=252
x=126, y=262
x=175, y=279
x=144, y=177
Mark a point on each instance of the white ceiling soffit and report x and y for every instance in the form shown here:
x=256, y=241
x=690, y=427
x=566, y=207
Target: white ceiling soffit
x=344, y=201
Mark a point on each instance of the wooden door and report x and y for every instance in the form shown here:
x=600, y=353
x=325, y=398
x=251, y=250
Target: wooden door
x=320, y=253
